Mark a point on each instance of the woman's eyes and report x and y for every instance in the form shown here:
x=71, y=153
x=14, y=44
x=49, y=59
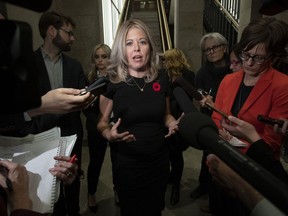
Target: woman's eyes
x=101, y=56
x=129, y=43
x=144, y=42
x=141, y=42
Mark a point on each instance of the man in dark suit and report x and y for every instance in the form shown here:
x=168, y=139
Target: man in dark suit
x=57, y=70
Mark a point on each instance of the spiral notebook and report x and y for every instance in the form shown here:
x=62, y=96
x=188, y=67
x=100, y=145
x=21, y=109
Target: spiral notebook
x=36, y=153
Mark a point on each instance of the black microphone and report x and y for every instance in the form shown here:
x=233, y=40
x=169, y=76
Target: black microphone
x=199, y=131
x=183, y=100
x=189, y=89
x=192, y=92
x=35, y=5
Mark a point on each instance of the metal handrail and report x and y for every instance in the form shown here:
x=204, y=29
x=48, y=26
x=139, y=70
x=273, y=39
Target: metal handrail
x=115, y=6
x=233, y=17
x=124, y=13
x=165, y=35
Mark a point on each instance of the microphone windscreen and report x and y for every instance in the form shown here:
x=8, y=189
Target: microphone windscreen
x=188, y=88
x=35, y=5
x=183, y=100
x=190, y=125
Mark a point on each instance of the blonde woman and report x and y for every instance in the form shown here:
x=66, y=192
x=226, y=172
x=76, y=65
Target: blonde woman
x=97, y=144
x=137, y=96
x=176, y=65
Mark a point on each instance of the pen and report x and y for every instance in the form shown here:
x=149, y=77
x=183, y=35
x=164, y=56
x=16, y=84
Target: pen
x=209, y=93
x=4, y=172
x=72, y=160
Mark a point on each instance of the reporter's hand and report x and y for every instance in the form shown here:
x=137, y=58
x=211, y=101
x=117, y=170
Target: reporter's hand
x=19, y=197
x=61, y=101
x=241, y=129
x=222, y=174
x=232, y=182
x=206, y=99
x=284, y=129
x=224, y=134
x=64, y=170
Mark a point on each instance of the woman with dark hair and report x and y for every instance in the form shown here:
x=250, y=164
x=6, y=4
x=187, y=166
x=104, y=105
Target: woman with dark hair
x=257, y=89
x=235, y=60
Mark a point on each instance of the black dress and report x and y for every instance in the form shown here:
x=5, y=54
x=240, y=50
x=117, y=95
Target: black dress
x=140, y=168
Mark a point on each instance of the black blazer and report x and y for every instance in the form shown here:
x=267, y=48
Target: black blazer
x=73, y=77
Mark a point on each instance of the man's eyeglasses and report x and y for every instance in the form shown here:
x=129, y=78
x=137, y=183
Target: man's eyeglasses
x=70, y=33
x=213, y=48
x=257, y=59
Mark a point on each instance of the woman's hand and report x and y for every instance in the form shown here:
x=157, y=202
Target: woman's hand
x=206, y=99
x=114, y=136
x=173, y=125
x=283, y=129
x=19, y=197
x=241, y=129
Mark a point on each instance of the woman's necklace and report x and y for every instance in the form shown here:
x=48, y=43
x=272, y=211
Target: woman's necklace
x=141, y=89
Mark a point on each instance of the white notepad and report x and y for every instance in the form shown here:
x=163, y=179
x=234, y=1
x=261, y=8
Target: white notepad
x=36, y=153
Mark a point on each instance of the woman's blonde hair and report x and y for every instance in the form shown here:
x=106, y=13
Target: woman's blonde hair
x=175, y=62
x=117, y=70
x=92, y=75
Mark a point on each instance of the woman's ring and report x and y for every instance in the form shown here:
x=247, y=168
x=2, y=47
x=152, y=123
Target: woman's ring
x=69, y=174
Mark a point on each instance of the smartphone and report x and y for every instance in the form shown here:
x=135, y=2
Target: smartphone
x=270, y=121
x=97, y=87
x=216, y=110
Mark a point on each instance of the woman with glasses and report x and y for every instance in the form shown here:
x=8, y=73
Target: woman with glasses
x=215, y=51
x=256, y=89
x=235, y=60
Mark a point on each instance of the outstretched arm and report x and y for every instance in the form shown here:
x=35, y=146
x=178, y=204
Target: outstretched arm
x=61, y=101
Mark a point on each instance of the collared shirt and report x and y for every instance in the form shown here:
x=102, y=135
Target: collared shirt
x=54, y=69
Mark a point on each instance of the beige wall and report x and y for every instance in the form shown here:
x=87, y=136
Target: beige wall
x=190, y=30
x=249, y=10
x=87, y=16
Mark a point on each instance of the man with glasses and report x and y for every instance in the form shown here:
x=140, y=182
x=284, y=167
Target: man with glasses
x=215, y=50
x=257, y=89
x=57, y=70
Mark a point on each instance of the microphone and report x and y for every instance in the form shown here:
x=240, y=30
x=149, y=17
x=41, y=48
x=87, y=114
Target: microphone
x=35, y=5
x=189, y=89
x=183, y=100
x=199, y=131
x=192, y=92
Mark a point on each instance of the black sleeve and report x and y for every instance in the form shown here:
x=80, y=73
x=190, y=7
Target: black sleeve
x=189, y=76
x=263, y=154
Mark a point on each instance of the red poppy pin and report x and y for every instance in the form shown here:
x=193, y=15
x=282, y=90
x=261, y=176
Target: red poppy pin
x=156, y=86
